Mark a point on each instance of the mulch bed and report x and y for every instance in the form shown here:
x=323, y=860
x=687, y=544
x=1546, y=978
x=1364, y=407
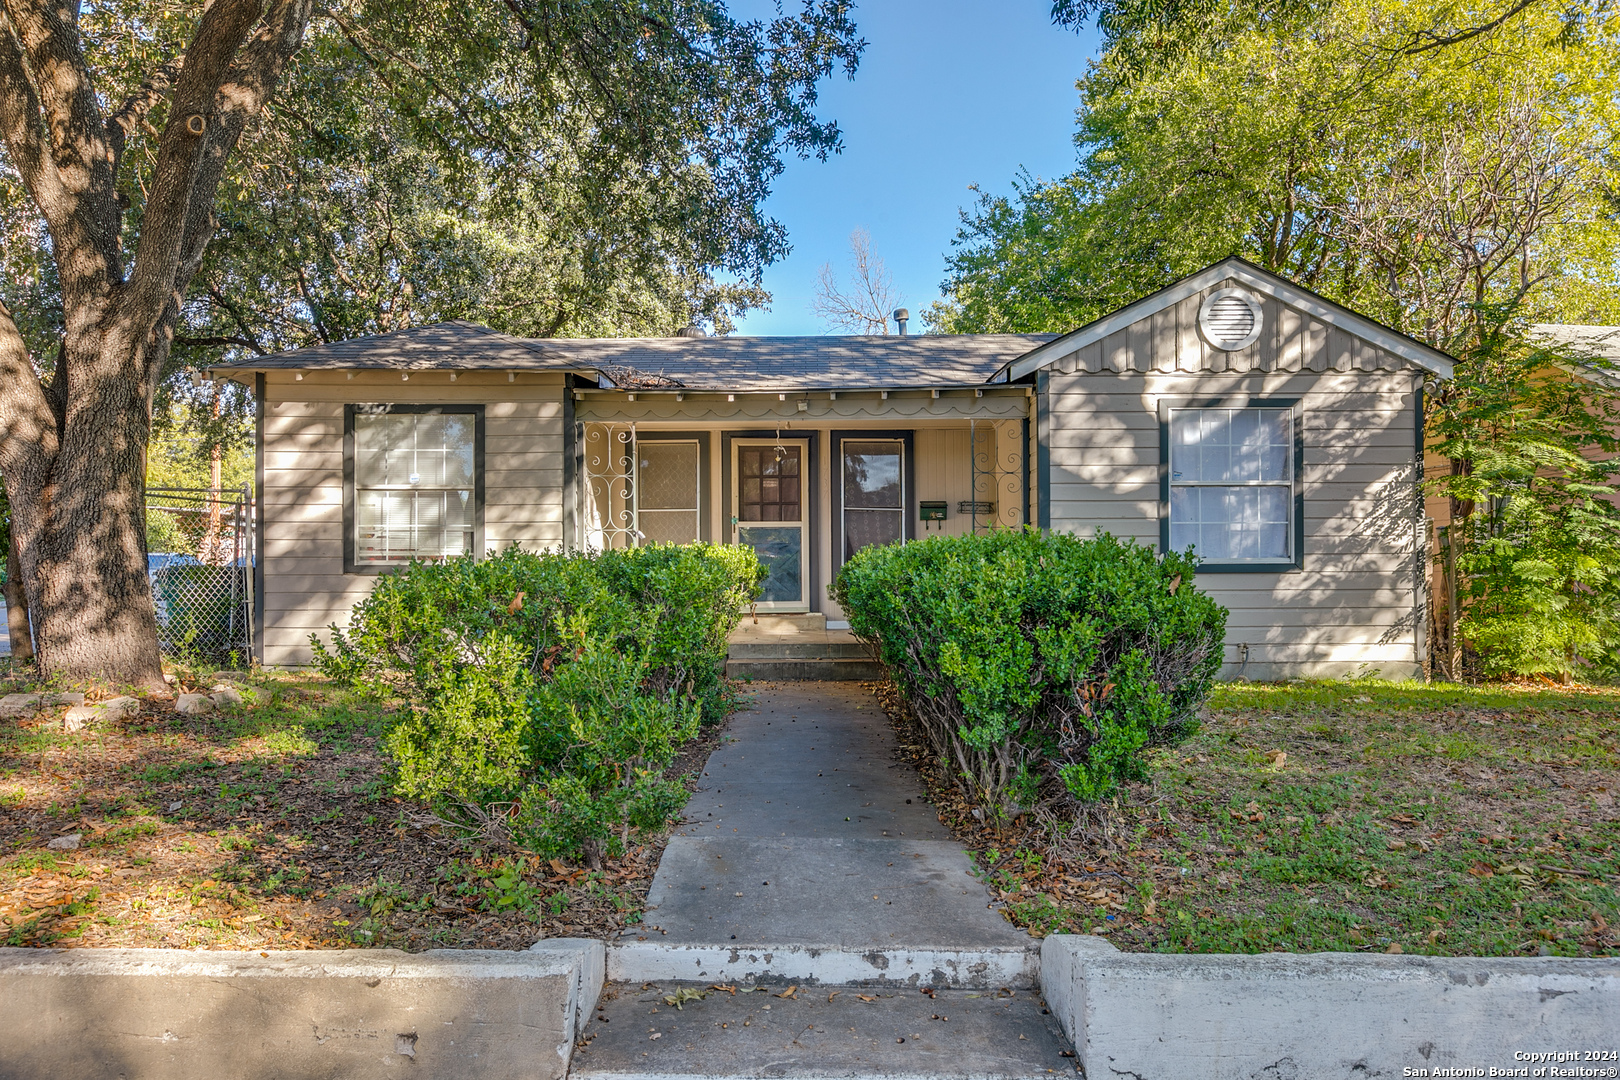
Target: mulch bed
x=270, y=826
x=1344, y=817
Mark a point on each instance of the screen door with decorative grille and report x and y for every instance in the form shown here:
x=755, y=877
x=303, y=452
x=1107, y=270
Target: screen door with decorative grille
x=768, y=514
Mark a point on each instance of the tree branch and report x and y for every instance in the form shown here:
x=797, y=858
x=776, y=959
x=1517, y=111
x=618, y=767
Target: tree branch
x=128, y=116
x=225, y=91
x=1431, y=40
x=87, y=214
x=28, y=429
x=20, y=125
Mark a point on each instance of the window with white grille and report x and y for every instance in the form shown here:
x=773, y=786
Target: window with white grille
x=1232, y=484
x=414, y=485
x=1230, y=319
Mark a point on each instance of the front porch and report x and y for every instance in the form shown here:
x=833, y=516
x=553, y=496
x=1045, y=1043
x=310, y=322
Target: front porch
x=806, y=479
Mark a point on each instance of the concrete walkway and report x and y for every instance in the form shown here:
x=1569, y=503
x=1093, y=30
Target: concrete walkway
x=807, y=830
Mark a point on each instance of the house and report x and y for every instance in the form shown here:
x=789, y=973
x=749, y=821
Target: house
x=1273, y=431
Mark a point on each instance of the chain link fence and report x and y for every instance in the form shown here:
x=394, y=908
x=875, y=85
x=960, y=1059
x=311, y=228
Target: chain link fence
x=200, y=562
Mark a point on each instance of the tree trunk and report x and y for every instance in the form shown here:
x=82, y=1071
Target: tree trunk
x=74, y=452
x=80, y=531
x=17, y=625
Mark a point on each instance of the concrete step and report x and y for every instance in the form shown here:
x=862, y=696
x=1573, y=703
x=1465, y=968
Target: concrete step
x=642, y=956
x=789, y=649
x=772, y=623
x=844, y=669
x=819, y=1032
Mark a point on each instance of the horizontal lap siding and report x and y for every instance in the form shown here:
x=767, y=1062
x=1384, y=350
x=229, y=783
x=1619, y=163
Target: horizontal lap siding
x=1352, y=605
x=305, y=588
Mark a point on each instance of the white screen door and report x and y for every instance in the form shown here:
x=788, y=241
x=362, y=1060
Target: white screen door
x=768, y=514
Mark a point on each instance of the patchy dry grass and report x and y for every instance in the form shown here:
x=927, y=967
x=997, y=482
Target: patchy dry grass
x=270, y=825
x=1342, y=816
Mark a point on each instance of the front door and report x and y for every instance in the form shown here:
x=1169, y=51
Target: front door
x=769, y=511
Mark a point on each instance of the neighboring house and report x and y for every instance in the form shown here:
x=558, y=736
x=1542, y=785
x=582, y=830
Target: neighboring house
x=1272, y=430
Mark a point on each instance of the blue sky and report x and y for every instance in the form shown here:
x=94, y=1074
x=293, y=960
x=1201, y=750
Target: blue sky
x=949, y=93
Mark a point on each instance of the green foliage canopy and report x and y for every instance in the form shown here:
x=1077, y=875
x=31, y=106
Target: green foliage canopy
x=548, y=168
x=1412, y=186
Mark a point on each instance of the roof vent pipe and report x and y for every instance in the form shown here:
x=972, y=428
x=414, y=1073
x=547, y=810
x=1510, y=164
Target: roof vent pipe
x=691, y=331
x=900, y=317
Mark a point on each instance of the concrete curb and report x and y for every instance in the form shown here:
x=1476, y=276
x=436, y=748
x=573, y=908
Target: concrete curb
x=830, y=965
x=1284, y=1016
x=140, y=1013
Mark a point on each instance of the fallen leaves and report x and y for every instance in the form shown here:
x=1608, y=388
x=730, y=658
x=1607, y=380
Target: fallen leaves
x=1251, y=812
x=789, y=992
x=1278, y=758
x=686, y=993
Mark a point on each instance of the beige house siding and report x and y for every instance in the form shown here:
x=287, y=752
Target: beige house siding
x=305, y=588
x=1355, y=604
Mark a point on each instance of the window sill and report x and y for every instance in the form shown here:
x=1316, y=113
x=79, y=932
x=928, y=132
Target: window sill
x=1248, y=567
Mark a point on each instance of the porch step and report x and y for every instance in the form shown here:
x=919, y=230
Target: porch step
x=820, y=1031
x=783, y=647
x=774, y=624
x=791, y=649
x=826, y=669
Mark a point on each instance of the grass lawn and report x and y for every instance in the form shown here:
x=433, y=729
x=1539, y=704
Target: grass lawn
x=267, y=825
x=1343, y=816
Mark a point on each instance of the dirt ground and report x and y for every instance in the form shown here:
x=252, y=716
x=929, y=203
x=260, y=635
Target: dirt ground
x=269, y=825
x=1342, y=816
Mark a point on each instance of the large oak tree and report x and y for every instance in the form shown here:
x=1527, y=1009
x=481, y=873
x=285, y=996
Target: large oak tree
x=128, y=124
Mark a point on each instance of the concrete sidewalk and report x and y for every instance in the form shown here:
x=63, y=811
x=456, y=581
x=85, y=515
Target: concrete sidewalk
x=807, y=830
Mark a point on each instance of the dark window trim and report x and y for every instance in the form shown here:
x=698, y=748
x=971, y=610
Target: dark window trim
x=258, y=515
x=704, y=501
x=1237, y=401
x=836, y=498
x=812, y=489
x=349, y=515
x=573, y=457
x=1043, y=450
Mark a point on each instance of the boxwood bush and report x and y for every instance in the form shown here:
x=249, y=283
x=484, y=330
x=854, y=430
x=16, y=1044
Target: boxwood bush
x=1038, y=665
x=548, y=691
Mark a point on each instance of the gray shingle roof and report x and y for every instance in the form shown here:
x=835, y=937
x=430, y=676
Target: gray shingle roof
x=707, y=363
x=458, y=344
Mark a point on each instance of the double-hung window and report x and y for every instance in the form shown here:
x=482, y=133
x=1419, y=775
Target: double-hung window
x=415, y=489
x=1231, y=484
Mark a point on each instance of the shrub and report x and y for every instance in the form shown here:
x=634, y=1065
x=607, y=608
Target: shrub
x=1038, y=664
x=549, y=692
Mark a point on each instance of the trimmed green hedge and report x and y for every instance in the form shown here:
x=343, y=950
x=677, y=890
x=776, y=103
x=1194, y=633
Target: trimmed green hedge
x=1038, y=664
x=549, y=691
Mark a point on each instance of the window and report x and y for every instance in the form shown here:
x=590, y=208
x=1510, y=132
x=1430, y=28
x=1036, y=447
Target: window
x=416, y=482
x=1231, y=484
x=874, y=498
x=667, y=490
x=769, y=479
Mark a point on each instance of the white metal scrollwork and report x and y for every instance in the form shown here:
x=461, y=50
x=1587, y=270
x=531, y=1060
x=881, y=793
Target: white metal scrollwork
x=607, y=496
x=997, y=461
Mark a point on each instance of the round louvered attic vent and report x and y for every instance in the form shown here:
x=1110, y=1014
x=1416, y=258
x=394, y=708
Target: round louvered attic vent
x=1230, y=319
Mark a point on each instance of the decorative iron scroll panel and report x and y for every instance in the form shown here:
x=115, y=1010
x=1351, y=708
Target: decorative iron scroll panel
x=998, y=450
x=606, y=488
x=200, y=565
